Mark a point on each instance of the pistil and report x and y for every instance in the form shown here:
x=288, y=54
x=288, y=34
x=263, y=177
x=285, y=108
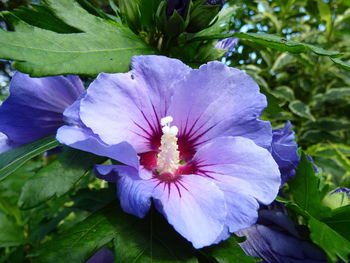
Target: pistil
x=168, y=159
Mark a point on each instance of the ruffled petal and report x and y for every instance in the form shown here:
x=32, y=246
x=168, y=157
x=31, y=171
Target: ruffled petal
x=270, y=239
x=284, y=151
x=217, y=100
x=35, y=106
x=195, y=207
x=132, y=104
x=134, y=193
x=239, y=163
x=84, y=140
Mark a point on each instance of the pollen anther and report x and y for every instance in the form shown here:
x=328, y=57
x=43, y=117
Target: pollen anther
x=168, y=158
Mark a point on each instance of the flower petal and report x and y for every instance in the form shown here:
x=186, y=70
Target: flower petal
x=271, y=240
x=104, y=255
x=84, y=140
x=4, y=143
x=132, y=104
x=284, y=151
x=241, y=164
x=134, y=193
x=196, y=208
x=217, y=100
x=35, y=106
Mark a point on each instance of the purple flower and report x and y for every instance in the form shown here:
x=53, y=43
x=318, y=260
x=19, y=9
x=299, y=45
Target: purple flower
x=342, y=190
x=215, y=2
x=275, y=239
x=284, y=151
x=180, y=6
x=104, y=255
x=4, y=143
x=35, y=107
x=227, y=44
x=190, y=139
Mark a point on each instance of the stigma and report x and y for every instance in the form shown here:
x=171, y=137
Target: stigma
x=168, y=158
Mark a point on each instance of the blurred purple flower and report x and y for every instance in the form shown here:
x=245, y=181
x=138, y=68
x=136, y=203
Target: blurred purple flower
x=190, y=139
x=342, y=190
x=35, y=107
x=104, y=255
x=215, y=2
x=227, y=44
x=275, y=239
x=4, y=143
x=180, y=6
x=284, y=151
x=312, y=162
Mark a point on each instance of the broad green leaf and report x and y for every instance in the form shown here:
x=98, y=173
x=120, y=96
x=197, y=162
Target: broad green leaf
x=305, y=189
x=340, y=221
x=10, y=209
x=284, y=93
x=316, y=136
x=103, y=46
x=57, y=178
x=341, y=63
x=272, y=41
x=82, y=241
x=39, y=16
x=136, y=240
x=327, y=150
x=10, y=161
x=334, y=245
x=272, y=102
x=220, y=25
x=152, y=240
x=336, y=200
x=337, y=94
x=329, y=125
x=11, y=234
x=300, y=109
x=282, y=61
x=229, y=252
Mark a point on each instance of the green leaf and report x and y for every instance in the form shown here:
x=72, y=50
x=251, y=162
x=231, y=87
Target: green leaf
x=79, y=243
x=11, y=234
x=57, y=178
x=341, y=63
x=321, y=234
x=284, y=93
x=229, y=252
x=272, y=102
x=152, y=240
x=110, y=44
x=220, y=25
x=39, y=16
x=272, y=41
x=10, y=161
x=329, y=125
x=136, y=240
x=300, y=109
x=335, y=94
x=340, y=221
x=305, y=189
x=329, y=240
x=326, y=15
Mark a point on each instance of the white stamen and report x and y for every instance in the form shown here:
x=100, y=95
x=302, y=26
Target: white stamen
x=168, y=158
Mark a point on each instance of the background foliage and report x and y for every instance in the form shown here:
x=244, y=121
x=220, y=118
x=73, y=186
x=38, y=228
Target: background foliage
x=53, y=208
